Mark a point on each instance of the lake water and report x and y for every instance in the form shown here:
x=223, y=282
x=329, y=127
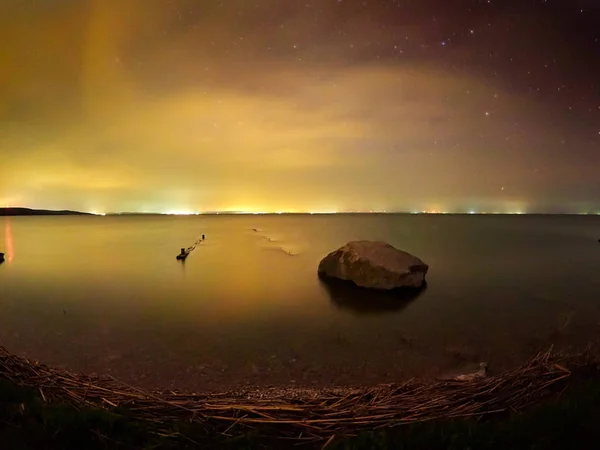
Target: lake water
x=106, y=295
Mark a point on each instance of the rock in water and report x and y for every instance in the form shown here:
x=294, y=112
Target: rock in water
x=374, y=264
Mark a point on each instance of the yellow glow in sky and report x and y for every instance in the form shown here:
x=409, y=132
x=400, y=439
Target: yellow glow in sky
x=127, y=109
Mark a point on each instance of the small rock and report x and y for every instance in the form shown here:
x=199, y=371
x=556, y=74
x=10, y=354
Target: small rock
x=481, y=373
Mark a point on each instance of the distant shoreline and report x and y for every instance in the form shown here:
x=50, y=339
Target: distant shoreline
x=20, y=211
x=231, y=213
x=39, y=212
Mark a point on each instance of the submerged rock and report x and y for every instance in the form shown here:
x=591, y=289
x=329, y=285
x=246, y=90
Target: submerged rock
x=374, y=264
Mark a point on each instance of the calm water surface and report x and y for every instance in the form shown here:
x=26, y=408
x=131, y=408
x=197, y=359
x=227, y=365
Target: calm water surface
x=105, y=294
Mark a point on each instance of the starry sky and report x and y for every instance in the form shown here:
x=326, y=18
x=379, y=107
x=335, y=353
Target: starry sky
x=309, y=105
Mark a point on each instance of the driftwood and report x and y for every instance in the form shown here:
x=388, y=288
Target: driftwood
x=298, y=415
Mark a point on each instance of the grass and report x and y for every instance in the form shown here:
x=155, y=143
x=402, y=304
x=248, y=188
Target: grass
x=566, y=421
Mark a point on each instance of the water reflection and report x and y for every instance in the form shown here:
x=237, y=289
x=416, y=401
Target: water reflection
x=182, y=264
x=236, y=313
x=9, y=242
x=346, y=295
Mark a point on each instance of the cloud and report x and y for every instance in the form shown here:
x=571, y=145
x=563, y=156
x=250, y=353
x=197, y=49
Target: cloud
x=305, y=138
x=155, y=106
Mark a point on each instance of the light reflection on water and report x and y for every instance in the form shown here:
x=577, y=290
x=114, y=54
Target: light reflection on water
x=106, y=294
x=9, y=240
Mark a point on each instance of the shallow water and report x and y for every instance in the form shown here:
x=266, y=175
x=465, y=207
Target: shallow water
x=106, y=294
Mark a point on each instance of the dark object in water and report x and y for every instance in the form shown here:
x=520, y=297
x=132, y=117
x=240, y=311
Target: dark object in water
x=1, y=257
x=186, y=251
x=374, y=265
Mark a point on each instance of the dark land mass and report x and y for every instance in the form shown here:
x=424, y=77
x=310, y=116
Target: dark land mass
x=39, y=212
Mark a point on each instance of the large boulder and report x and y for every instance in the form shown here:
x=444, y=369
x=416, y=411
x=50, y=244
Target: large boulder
x=374, y=264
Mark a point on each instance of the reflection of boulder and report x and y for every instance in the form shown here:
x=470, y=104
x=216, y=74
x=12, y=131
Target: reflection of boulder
x=374, y=264
x=346, y=295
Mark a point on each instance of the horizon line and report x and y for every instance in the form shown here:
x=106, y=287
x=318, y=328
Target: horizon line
x=236, y=212
x=277, y=213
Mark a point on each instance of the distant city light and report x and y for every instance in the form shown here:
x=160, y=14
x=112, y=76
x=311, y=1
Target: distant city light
x=510, y=210
x=324, y=212
x=181, y=213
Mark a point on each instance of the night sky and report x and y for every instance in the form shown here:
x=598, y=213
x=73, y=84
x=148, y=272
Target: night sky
x=313, y=105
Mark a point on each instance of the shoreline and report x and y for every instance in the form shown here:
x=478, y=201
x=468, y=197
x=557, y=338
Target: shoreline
x=306, y=415
x=212, y=376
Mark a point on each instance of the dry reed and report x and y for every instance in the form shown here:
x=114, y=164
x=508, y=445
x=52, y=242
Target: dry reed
x=300, y=416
